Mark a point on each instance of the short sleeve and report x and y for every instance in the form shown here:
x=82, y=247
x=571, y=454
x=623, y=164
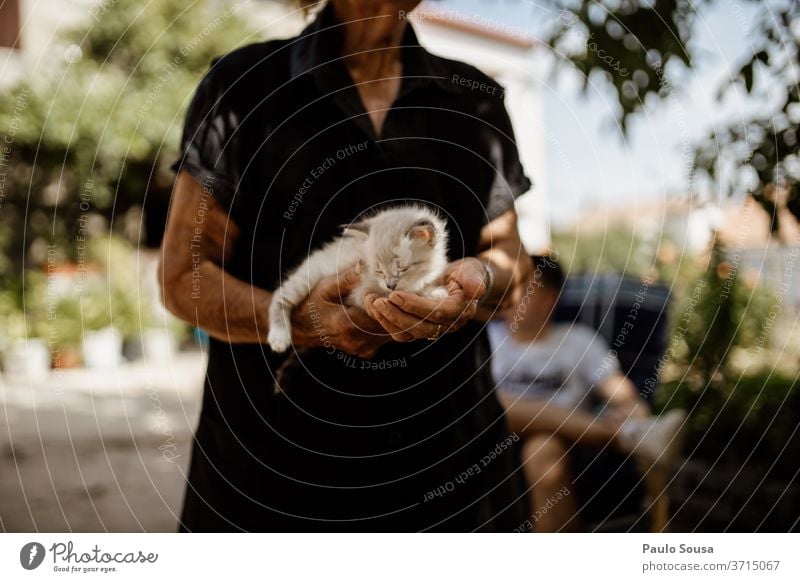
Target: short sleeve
x=510, y=181
x=209, y=145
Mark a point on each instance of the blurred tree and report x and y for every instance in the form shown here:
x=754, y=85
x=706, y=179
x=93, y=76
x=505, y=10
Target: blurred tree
x=761, y=153
x=744, y=414
x=617, y=249
x=718, y=312
x=92, y=135
x=638, y=48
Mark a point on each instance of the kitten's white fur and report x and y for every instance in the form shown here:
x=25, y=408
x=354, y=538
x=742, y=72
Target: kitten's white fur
x=402, y=248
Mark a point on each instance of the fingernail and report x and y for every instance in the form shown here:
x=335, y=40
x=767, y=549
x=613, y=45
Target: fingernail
x=396, y=298
x=382, y=307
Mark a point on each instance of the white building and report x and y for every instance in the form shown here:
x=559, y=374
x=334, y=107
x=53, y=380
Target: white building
x=506, y=54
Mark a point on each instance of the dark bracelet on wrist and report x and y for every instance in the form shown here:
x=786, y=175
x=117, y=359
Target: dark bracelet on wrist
x=488, y=282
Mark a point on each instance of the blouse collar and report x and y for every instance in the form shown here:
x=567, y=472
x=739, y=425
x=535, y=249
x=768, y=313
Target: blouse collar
x=316, y=49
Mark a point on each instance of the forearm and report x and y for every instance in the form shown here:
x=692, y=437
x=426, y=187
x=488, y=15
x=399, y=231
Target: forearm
x=199, y=238
x=528, y=416
x=226, y=307
x=502, y=251
x=508, y=273
x=622, y=397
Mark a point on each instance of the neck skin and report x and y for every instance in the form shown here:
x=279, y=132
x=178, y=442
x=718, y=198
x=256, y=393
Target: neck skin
x=371, y=38
x=535, y=323
x=531, y=331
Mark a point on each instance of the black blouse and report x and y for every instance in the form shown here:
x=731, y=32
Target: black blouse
x=413, y=439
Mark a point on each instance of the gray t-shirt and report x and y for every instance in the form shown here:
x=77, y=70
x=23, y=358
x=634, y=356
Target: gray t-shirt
x=562, y=367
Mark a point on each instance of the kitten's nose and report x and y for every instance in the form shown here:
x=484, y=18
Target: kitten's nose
x=391, y=284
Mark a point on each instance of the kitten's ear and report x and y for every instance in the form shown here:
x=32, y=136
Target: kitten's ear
x=423, y=231
x=359, y=229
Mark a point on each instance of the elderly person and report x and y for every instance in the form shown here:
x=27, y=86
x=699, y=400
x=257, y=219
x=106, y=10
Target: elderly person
x=387, y=420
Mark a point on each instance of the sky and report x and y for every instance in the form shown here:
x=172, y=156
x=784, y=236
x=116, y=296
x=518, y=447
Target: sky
x=588, y=162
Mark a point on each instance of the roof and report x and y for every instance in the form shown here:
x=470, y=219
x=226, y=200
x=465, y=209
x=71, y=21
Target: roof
x=474, y=24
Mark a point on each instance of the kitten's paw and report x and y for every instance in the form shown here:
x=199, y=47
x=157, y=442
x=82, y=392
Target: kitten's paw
x=355, y=299
x=439, y=293
x=279, y=339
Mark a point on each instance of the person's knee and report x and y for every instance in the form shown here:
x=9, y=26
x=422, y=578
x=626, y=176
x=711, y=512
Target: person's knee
x=546, y=457
x=543, y=446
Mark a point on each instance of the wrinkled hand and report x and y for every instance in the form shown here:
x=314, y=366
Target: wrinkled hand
x=323, y=320
x=407, y=316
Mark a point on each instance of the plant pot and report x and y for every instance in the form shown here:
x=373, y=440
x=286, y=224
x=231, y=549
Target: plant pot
x=158, y=344
x=67, y=358
x=102, y=349
x=27, y=360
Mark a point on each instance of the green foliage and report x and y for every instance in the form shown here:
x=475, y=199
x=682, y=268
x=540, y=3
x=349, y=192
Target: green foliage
x=640, y=47
x=629, y=44
x=752, y=420
x=743, y=417
x=92, y=133
x=617, y=250
x=761, y=153
x=24, y=315
x=715, y=314
x=61, y=305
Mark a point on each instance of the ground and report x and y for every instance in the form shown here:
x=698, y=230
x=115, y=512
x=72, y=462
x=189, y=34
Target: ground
x=88, y=451
x=98, y=451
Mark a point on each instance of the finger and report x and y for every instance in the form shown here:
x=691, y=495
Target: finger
x=406, y=322
x=397, y=334
x=337, y=287
x=467, y=315
x=362, y=320
x=369, y=306
x=444, y=311
x=471, y=276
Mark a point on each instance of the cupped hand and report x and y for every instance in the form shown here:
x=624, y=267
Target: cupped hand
x=323, y=319
x=407, y=316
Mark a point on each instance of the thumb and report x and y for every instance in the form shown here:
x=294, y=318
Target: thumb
x=472, y=278
x=339, y=286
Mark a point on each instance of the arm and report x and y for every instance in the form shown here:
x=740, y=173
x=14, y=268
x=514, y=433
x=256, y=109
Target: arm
x=194, y=287
x=199, y=237
x=501, y=248
x=528, y=416
x=407, y=316
x=622, y=396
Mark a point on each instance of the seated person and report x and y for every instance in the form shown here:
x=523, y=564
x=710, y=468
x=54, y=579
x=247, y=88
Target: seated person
x=551, y=378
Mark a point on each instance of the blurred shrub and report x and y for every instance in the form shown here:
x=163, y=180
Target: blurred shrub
x=744, y=415
x=617, y=250
x=92, y=130
x=741, y=410
x=715, y=313
x=752, y=420
x=60, y=303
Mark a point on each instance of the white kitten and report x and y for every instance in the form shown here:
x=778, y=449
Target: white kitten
x=402, y=248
